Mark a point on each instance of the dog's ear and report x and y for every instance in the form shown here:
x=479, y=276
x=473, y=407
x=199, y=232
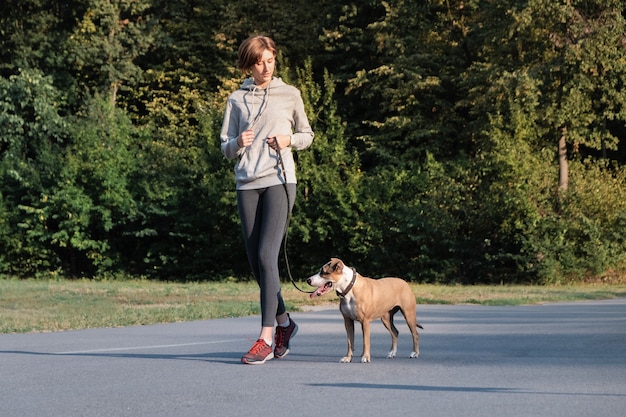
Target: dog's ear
x=336, y=265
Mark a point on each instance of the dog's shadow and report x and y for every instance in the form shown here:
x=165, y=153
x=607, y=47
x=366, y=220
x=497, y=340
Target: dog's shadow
x=363, y=385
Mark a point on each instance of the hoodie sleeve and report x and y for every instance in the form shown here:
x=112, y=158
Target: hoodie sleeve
x=230, y=133
x=302, y=137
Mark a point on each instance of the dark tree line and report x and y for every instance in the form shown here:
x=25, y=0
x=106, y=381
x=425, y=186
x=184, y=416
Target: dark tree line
x=456, y=141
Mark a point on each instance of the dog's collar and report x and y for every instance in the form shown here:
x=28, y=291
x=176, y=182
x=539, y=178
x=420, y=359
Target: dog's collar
x=349, y=287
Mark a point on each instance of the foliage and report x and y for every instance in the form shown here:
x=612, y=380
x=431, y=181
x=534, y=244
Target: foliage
x=329, y=179
x=455, y=141
x=31, y=147
x=105, y=43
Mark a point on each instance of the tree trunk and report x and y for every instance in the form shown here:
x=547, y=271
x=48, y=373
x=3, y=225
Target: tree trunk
x=563, y=165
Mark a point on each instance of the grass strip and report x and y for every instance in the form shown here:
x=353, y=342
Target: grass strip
x=58, y=305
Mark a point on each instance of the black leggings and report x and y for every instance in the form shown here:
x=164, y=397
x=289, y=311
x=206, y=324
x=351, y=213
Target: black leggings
x=263, y=214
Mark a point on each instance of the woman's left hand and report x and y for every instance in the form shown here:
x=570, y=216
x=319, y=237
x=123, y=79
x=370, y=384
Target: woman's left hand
x=278, y=142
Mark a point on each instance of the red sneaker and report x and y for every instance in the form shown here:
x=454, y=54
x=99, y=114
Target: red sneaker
x=282, y=337
x=258, y=353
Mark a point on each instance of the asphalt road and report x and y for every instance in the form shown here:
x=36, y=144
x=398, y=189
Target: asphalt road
x=551, y=360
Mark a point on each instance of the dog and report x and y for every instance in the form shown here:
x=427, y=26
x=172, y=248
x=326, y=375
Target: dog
x=365, y=299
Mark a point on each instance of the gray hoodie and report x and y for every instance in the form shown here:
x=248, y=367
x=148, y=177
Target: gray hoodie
x=275, y=110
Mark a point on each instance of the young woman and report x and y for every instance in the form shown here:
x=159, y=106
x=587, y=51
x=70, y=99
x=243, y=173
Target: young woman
x=264, y=121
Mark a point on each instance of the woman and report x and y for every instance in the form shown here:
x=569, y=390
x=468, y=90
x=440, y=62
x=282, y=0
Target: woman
x=263, y=122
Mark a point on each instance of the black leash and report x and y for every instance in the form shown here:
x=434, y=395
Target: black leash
x=282, y=167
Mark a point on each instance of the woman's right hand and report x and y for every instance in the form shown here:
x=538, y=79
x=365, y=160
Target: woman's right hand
x=246, y=138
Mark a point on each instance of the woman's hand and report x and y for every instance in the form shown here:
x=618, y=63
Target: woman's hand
x=246, y=138
x=278, y=142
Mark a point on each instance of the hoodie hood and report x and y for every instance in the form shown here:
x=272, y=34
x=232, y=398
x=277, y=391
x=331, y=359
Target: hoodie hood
x=249, y=85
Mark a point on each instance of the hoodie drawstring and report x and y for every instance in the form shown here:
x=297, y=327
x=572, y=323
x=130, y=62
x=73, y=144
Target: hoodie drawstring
x=262, y=106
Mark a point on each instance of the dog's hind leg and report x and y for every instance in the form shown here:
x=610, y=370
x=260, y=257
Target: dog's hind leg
x=411, y=321
x=393, y=331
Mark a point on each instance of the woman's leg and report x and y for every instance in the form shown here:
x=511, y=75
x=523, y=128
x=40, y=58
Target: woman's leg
x=263, y=216
x=275, y=212
x=249, y=205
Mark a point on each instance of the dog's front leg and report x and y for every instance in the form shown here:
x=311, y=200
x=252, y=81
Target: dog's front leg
x=365, y=327
x=349, y=323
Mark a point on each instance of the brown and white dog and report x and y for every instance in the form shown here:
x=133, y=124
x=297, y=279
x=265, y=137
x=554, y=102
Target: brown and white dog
x=365, y=299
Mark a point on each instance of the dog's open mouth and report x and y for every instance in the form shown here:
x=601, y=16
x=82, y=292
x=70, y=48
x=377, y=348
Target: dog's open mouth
x=322, y=290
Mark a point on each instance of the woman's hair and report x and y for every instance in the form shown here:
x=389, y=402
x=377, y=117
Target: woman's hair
x=251, y=50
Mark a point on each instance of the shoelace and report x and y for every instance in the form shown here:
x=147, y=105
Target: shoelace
x=279, y=339
x=258, y=346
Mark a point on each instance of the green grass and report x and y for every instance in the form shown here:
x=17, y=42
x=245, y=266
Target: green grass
x=57, y=305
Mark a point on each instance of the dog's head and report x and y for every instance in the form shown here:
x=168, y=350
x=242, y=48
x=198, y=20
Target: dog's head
x=327, y=277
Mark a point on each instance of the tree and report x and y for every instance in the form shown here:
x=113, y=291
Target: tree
x=546, y=105
x=579, y=54
x=419, y=57
x=106, y=42
x=33, y=133
x=33, y=35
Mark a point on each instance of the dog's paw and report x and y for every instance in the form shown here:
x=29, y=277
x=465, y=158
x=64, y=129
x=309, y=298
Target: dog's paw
x=391, y=354
x=414, y=355
x=345, y=359
x=365, y=359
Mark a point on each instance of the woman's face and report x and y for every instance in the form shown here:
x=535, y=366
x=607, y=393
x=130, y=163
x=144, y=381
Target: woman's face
x=263, y=70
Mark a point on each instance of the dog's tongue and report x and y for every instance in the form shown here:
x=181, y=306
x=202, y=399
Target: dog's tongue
x=320, y=291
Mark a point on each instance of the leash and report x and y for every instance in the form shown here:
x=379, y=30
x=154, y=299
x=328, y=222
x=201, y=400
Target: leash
x=293, y=282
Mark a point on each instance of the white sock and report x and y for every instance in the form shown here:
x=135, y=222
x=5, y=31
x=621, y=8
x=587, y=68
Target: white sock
x=269, y=342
